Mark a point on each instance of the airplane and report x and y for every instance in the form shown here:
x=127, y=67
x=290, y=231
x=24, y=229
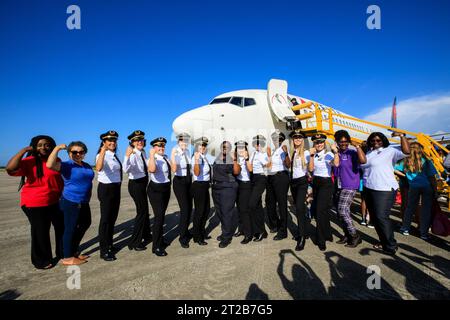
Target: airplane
x=242, y=114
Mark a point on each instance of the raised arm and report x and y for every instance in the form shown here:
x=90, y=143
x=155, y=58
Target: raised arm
x=101, y=159
x=287, y=159
x=152, y=161
x=336, y=158
x=197, y=163
x=14, y=163
x=52, y=162
x=359, y=151
x=312, y=153
x=403, y=141
x=173, y=162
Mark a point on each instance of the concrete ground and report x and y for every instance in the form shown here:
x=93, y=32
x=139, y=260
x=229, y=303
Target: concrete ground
x=264, y=270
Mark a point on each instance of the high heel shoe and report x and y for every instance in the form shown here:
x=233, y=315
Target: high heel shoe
x=260, y=236
x=160, y=252
x=300, y=244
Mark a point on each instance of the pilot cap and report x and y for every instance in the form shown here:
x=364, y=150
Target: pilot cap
x=111, y=134
x=297, y=134
x=318, y=137
x=136, y=135
x=201, y=140
x=259, y=139
x=158, y=141
x=278, y=134
x=241, y=143
x=183, y=136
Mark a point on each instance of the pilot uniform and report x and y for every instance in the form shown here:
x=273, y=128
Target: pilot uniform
x=182, y=189
x=200, y=192
x=243, y=197
x=277, y=189
x=136, y=167
x=299, y=188
x=259, y=181
x=323, y=193
x=158, y=191
x=225, y=190
x=108, y=192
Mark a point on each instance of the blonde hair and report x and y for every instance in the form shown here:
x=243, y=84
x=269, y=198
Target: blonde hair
x=301, y=153
x=414, y=162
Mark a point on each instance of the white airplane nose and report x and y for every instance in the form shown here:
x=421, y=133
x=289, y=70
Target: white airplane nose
x=194, y=122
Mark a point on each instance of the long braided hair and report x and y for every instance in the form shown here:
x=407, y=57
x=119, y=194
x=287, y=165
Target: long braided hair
x=33, y=143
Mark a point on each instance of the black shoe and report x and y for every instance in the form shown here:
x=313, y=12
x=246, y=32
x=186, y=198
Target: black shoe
x=274, y=230
x=246, y=240
x=219, y=238
x=109, y=256
x=184, y=244
x=140, y=247
x=160, y=252
x=114, y=249
x=354, y=241
x=238, y=234
x=207, y=237
x=201, y=243
x=260, y=236
x=343, y=240
x=322, y=247
x=224, y=243
x=279, y=237
x=390, y=251
x=300, y=244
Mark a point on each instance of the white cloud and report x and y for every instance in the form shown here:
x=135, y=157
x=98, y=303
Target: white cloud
x=428, y=114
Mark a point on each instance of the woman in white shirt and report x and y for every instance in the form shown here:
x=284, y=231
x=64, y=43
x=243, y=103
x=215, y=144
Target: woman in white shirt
x=380, y=185
x=320, y=165
x=244, y=190
x=180, y=161
x=135, y=165
x=299, y=185
x=260, y=161
x=109, y=177
x=202, y=171
x=159, y=191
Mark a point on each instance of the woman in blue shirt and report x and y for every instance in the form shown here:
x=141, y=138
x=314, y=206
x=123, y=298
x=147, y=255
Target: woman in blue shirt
x=77, y=176
x=420, y=172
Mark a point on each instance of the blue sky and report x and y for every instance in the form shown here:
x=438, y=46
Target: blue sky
x=139, y=64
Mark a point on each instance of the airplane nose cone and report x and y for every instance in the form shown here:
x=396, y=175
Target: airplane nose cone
x=194, y=122
x=181, y=124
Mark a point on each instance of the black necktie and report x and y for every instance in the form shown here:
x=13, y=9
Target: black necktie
x=188, y=166
x=120, y=164
x=145, y=164
x=169, y=167
x=292, y=163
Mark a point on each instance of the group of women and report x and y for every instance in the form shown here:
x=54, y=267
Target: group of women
x=58, y=193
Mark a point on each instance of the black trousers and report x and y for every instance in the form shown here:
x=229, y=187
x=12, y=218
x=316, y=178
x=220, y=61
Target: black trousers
x=243, y=204
x=277, y=190
x=323, y=197
x=141, y=230
x=200, y=192
x=182, y=190
x=41, y=218
x=159, y=195
x=224, y=196
x=299, y=188
x=109, y=197
x=379, y=204
x=259, y=182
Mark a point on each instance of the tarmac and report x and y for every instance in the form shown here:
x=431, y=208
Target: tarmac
x=256, y=271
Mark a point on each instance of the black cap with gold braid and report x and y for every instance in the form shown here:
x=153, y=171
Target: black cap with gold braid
x=160, y=142
x=111, y=134
x=136, y=135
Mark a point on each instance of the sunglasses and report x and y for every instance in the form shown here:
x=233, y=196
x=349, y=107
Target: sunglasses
x=77, y=152
x=343, y=142
x=204, y=145
x=376, y=140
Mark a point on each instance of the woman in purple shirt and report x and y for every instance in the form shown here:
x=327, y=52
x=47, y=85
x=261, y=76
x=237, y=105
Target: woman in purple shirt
x=348, y=182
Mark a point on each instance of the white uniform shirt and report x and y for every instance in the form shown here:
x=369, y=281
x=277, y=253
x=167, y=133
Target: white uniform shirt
x=134, y=166
x=379, y=169
x=182, y=160
x=297, y=168
x=245, y=174
x=322, y=164
x=278, y=161
x=161, y=175
x=259, y=160
x=205, y=168
x=111, y=169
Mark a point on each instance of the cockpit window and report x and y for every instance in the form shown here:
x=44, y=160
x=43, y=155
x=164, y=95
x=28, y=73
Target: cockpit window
x=249, y=102
x=237, y=101
x=221, y=100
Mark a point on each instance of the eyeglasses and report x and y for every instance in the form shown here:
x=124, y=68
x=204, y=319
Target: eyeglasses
x=77, y=152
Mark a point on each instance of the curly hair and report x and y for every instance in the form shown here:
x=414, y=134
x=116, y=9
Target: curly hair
x=383, y=138
x=338, y=135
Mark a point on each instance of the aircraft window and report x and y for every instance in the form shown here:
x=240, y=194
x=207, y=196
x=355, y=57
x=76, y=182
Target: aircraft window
x=220, y=100
x=236, y=101
x=249, y=102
